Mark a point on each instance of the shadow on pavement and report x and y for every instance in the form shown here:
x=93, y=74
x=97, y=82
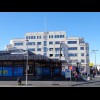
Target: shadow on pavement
x=25, y=84
x=85, y=83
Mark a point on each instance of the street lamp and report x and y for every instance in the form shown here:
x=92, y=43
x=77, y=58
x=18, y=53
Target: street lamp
x=94, y=51
x=27, y=61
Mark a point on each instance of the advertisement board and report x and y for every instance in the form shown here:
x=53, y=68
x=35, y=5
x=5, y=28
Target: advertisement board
x=67, y=73
x=18, y=71
x=7, y=71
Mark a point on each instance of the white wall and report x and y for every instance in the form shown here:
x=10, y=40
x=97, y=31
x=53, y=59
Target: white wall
x=80, y=43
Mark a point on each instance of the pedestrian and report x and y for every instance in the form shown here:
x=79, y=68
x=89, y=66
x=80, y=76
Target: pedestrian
x=19, y=80
x=76, y=76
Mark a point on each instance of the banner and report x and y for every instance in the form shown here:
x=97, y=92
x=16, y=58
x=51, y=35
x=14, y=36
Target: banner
x=7, y=71
x=18, y=71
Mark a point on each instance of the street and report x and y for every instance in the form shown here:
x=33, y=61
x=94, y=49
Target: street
x=95, y=82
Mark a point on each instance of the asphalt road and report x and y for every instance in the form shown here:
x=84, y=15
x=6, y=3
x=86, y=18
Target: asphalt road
x=95, y=82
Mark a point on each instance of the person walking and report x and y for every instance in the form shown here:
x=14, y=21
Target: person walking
x=76, y=76
x=19, y=81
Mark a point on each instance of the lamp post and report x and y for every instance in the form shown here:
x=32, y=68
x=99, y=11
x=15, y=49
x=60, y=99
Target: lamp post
x=27, y=61
x=94, y=51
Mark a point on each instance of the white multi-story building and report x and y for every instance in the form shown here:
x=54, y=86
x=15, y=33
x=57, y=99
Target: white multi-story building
x=78, y=52
x=44, y=43
x=49, y=43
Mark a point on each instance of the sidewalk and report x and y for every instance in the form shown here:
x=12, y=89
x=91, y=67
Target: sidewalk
x=40, y=83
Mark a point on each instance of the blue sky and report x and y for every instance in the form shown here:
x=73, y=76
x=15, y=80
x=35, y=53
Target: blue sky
x=81, y=24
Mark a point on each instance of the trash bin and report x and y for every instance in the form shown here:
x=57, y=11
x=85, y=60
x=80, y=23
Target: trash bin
x=19, y=81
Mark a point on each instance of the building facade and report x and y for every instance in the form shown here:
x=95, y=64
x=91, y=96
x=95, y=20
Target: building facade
x=78, y=52
x=73, y=49
x=44, y=43
x=13, y=65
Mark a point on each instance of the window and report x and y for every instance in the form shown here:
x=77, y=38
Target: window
x=81, y=42
x=87, y=54
x=50, y=55
x=31, y=49
x=31, y=43
x=26, y=37
x=81, y=48
x=72, y=42
x=56, y=36
x=34, y=37
x=31, y=37
x=38, y=37
x=82, y=61
x=57, y=49
x=45, y=43
x=87, y=48
x=50, y=49
x=62, y=36
x=50, y=36
x=57, y=55
x=50, y=43
x=72, y=48
x=18, y=44
x=75, y=54
x=38, y=49
x=72, y=54
x=45, y=49
x=38, y=43
x=82, y=54
x=57, y=42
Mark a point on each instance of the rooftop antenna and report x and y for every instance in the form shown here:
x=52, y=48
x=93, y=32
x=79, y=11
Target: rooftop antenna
x=45, y=24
